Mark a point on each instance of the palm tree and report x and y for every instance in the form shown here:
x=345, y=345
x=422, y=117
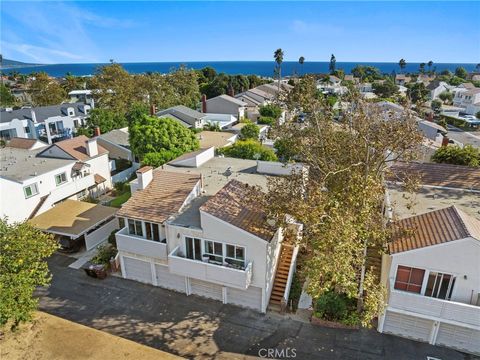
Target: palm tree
x=422, y=68
x=402, y=63
x=332, y=65
x=301, y=61
x=430, y=63
x=278, y=56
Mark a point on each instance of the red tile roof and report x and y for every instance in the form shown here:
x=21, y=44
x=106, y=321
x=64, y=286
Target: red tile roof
x=433, y=228
x=236, y=204
x=22, y=143
x=76, y=147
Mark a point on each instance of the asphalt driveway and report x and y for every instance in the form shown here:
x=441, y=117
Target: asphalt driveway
x=194, y=327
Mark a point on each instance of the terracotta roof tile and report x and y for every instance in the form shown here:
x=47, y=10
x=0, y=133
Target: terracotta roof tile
x=99, y=179
x=163, y=197
x=444, y=175
x=235, y=205
x=22, y=143
x=76, y=147
x=433, y=228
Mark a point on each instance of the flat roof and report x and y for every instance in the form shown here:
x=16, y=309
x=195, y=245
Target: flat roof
x=216, y=139
x=72, y=217
x=23, y=164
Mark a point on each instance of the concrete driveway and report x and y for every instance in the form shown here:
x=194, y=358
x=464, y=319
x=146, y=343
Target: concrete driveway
x=464, y=137
x=198, y=328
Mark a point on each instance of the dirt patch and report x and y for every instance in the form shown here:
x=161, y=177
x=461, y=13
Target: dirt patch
x=49, y=337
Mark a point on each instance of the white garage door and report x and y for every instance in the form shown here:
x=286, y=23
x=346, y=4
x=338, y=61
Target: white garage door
x=168, y=280
x=137, y=270
x=206, y=289
x=407, y=326
x=459, y=337
x=250, y=298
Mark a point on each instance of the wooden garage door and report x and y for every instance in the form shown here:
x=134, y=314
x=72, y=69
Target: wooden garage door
x=206, y=289
x=250, y=298
x=460, y=338
x=168, y=280
x=407, y=326
x=137, y=270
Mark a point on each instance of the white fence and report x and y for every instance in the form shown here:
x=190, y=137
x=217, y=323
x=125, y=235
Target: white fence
x=125, y=174
x=97, y=236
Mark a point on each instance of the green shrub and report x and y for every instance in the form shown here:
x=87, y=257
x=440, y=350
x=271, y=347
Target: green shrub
x=333, y=306
x=161, y=157
x=271, y=110
x=266, y=120
x=468, y=155
x=250, y=131
x=295, y=291
x=104, y=254
x=248, y=149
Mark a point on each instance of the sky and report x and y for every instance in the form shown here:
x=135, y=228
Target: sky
x=82, y=31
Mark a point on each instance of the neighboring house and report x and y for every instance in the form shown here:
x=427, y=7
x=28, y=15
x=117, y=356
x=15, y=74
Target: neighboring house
x=35, y=177
x=334, y=80
x=432, y=272
x=84, y=96
x=224, y=104
x=47, y=123
x=402, y=79
x=192, y=230
x=216, y=139
x=117, y=144
x=351, y=78
x=467, y=98
x=436, y=88
x=187, y=117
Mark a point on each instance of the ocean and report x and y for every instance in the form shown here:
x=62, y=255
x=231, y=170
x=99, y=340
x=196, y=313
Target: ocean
x=261, y=68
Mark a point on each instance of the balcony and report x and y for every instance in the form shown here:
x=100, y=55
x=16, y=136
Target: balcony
x=70, y=188
x=441, y=309
x=141, y=246
x=218, y=274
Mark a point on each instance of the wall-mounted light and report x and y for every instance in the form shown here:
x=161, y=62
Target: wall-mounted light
x=178, y=235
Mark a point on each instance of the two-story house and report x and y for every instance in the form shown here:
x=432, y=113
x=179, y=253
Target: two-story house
x=198, y=232
x=432, y=272
x=47, y=123
x=467, y=98
x=224, y=104
x=34, y=176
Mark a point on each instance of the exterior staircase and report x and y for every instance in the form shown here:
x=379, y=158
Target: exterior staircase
x=281, y=276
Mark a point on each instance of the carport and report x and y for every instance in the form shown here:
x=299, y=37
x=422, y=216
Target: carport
x=78, y=220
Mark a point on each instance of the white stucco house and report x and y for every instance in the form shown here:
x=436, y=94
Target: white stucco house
x=192, y=231
x=47, y=123
x=467, y=98
x=35, y=176
x=437, y=87
x=224, y=104
x=432, y=272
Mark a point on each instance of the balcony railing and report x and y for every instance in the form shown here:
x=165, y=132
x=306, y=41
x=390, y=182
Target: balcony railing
x=200, y=270
x=141, y=246
x=442, y=309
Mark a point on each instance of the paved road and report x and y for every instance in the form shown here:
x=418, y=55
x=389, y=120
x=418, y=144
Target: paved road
x=198, y=328
x=464, y=137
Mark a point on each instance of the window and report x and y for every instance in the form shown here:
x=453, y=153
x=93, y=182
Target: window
x=214, y=250
x=194, y=250
x=121, y=222
x=135, y=227
x=152, y=231
x=235, y=255
x=61, y=178
x=30, y=190
x=409, y=279
x=440, y=285
x=26, y=129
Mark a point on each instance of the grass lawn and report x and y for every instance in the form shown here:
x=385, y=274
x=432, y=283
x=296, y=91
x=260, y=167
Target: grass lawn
x=120, y=199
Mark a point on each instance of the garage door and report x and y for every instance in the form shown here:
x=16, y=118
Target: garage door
x=459, y=337
x=137, y=270
x=407, y=326
x=206, y=289
x=168, y=280
x=250, y=298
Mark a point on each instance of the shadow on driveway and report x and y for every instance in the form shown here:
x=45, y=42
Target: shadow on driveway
x=194, y=327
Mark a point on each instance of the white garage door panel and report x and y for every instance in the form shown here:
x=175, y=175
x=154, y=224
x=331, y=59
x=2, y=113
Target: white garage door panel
x=407, y=326
x=167, y=280
x=459, y=337
x=250, y=298
x=206, y=289
x=137, y=270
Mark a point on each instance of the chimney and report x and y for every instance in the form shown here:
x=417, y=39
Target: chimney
x=445, y=141
x=204, y=103
x=92, y=147
x=144, y=176
x=96, y=131
x=153, y=110
x=33, y=115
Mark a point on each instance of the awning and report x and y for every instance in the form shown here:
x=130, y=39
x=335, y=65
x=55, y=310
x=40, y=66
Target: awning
x=99, y=179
